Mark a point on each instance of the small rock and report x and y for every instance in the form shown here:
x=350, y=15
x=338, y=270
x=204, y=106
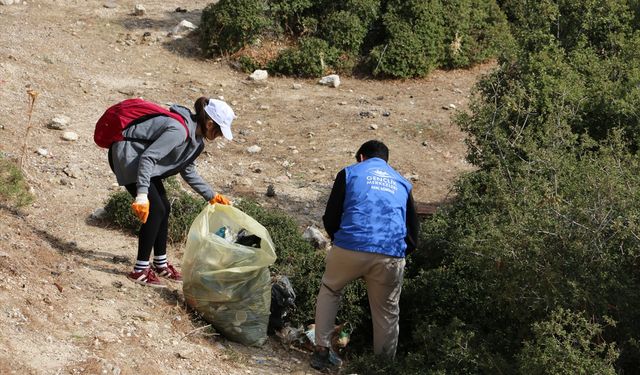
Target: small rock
x=448, y=107
x=6, y=2
x=412, y=177
x=342, y=103
x=59, y=122
x=72, y=171
x=139, y=10
x=259, y=75
x=99, y=214
x=42, y=151
x=264, y=107
x=332, y=80
x=110, y=5
x=317, y=239
x=254, y=149
x=70, y=136
x=296, y=86
x=386, y=113
x=181, y=10
x=425, y=143
x=182, y=26
x=373, y=127
x=271, y=191
x=3, y=254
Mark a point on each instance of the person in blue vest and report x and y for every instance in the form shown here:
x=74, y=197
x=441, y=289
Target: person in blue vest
x=372, y=221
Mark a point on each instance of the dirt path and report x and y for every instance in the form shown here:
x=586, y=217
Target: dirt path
x=66, y=305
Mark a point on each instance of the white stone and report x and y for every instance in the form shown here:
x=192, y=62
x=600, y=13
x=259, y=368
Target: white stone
x=259, y=75
x=254, y=149
x=59, y=122
x=296, y=86
x=139, y=10
x=6, y=2
x=42, y=151
x=315, y=236
x=373, y=126
x=99, y=214
x=183, y=25
x=332, y=80
x=70, y=136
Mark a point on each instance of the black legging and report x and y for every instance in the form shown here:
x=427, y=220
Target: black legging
x=153, y=233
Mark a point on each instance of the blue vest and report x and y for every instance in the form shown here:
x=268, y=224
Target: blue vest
x=375, y=209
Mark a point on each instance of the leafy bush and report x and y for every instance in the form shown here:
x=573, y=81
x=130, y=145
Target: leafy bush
x=13, y=187
x=228, y=25
x=184, y=209
x=567, y=343
x=413, y=44
x=344, y=30
x=291, y=15
x=311, y=58
x=393, y=38
x=532, y=268
x=475, y=31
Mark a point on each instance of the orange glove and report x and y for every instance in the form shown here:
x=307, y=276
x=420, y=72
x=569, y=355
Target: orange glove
x=140, y=207
x=219, y=199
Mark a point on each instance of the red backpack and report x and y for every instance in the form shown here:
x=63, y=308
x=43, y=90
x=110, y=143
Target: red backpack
x=124, y=114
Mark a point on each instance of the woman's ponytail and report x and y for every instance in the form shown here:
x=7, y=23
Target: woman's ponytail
x=201, y=115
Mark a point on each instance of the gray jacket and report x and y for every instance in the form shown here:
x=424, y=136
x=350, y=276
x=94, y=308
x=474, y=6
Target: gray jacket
x=167, y=152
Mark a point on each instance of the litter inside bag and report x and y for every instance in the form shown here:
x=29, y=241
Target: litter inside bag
x=226, y=281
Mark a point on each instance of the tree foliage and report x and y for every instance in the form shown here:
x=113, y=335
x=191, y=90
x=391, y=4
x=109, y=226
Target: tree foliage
x=386, y=38
x=533, y=267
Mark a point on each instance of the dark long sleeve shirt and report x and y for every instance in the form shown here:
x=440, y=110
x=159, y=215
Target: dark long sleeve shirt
x=335, y=207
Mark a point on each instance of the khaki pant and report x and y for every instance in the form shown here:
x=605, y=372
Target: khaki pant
x=383, y=276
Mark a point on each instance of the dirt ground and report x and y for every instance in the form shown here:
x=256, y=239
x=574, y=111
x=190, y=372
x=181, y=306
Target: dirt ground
x=66, y=306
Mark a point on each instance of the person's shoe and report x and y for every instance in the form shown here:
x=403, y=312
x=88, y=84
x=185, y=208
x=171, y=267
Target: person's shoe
x=169, y=272
x=320, y=359
x=146, y=277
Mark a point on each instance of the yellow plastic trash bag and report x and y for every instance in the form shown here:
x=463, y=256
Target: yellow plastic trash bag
x=229, y=283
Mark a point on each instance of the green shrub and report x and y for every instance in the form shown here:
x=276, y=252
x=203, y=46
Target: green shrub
x=118, y=208
x=248, y=64
x=289, y=15
x=567, y=343
x=475, y=31
x=343, y=30
x=311, y=58
x=228, y=25
x=603, y=24
x=367, y=11
x=184, y=209
x=13, y=187
x=413, y=45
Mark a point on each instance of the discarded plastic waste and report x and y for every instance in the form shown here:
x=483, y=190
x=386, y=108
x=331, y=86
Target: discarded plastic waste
x=247, y=239
x=229, y=283
x=243, y=237
x=283, y=299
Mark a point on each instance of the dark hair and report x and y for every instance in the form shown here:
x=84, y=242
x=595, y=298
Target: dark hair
x=201, y=115
x=373, y=149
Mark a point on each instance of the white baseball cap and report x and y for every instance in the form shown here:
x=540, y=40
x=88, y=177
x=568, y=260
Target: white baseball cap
x=222, y=114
